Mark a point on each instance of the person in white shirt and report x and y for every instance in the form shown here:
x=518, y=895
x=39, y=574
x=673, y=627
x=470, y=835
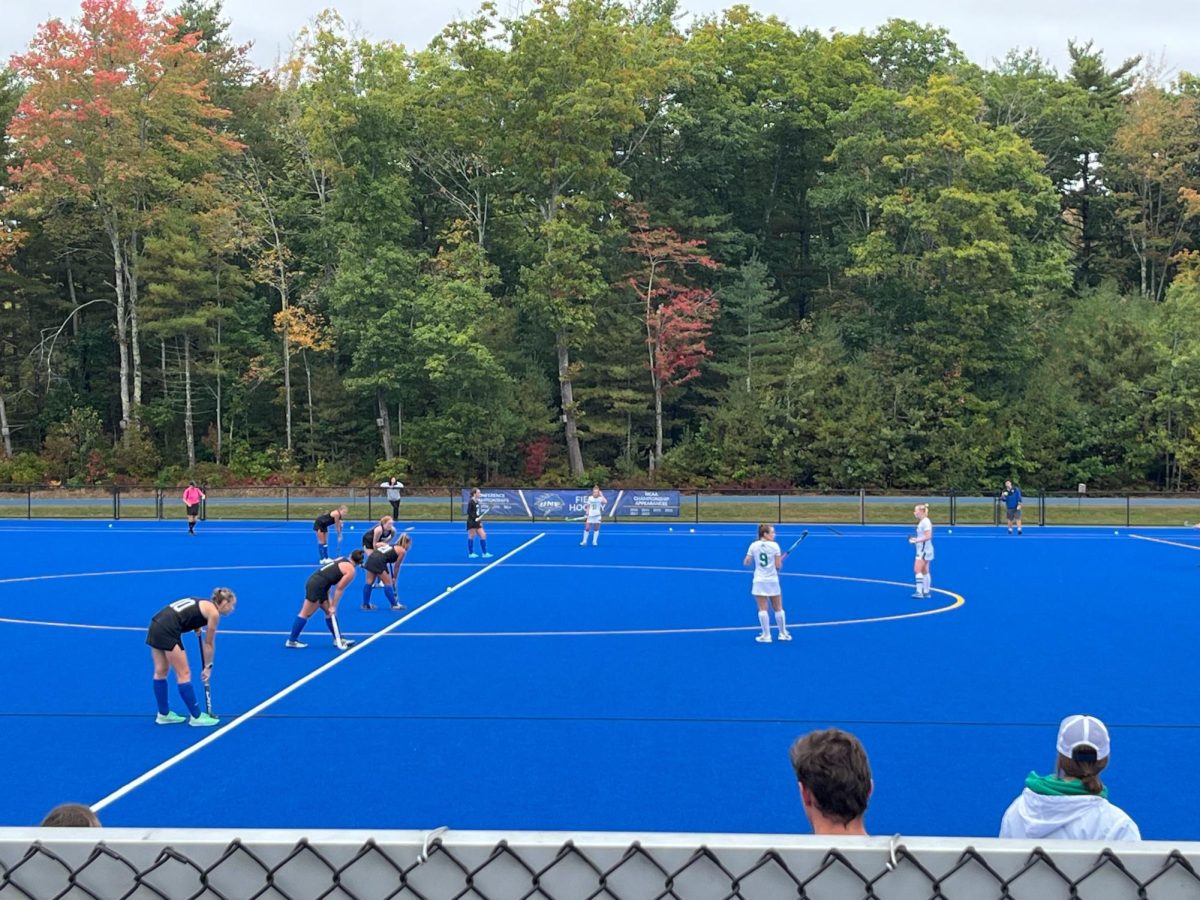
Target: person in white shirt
x=593, y=509
x=392, y=489
x=1071, y=804
x=767, y=560
x=922, y=541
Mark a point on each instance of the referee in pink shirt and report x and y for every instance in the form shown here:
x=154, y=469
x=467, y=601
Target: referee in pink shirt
x=192, y=496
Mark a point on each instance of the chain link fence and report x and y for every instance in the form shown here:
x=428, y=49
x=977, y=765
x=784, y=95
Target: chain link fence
x=283, y=865
x=441, y=504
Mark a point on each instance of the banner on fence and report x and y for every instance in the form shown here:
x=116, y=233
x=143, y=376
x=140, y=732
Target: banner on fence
x=560, y=504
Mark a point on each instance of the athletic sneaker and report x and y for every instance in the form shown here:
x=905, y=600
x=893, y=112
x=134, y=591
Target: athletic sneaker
x=784, y=636
x=398, y=606
x=326, y=560
x=917, y=595
x=295, y=645
x=204, y=720
x=344, y=645
x=170, y=718
x=763, y=639
x=488, y=555
x=583, y=543
x=368, y=606
x=472, y=556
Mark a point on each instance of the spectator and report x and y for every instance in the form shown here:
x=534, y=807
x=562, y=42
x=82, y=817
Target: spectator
x=835, y=781
x=392, y=488
x=1072, y=804
x=70, y=815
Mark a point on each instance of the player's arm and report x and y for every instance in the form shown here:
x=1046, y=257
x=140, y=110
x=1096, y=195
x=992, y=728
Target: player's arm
x=212, y=617
x=779, y=558
x=347, y=578
x=337, y=523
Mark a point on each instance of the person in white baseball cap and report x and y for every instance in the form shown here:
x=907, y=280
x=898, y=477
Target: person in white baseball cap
x=1071, y=804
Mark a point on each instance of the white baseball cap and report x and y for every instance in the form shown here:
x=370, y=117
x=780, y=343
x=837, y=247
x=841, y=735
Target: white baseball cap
x=1082, y=733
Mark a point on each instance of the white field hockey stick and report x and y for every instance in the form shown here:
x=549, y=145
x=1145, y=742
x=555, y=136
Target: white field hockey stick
x=796, y=543
x=207, y=684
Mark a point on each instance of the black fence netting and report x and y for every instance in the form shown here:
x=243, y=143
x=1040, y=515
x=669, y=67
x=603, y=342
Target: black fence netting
x=47, y=863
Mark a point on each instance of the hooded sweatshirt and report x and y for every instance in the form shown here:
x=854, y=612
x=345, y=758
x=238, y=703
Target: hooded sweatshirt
x=1052, y=807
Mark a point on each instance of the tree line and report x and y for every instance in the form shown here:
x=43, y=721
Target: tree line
x=586, y=244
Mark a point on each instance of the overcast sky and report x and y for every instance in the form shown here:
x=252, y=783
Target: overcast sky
x=983, y=30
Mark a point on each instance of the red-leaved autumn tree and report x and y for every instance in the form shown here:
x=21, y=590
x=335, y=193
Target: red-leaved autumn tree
x=678, y=316
x=115, y=126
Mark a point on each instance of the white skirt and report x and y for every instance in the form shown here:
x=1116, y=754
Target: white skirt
x=767, y=587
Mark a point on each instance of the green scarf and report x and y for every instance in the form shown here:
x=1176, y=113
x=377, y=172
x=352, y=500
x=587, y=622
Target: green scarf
x=1053, y=786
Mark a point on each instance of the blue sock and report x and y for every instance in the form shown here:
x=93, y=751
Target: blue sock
x=189, y=698
x=322, y=551
x=329, y=625
x=160, y=696
x=470, y=545
x=367, y=592
x=298, y=626
x=390, y=593
x=483, y=544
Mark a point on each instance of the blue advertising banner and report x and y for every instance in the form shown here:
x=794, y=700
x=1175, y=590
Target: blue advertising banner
x=560, y=504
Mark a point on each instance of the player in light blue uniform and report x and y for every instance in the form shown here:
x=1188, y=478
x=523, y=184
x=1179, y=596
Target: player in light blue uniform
x=922, y=541
x=593, y=515
x=767, y=559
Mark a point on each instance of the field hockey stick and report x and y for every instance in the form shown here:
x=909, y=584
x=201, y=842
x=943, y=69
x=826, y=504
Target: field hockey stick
x=796, y=543
x=207, y=686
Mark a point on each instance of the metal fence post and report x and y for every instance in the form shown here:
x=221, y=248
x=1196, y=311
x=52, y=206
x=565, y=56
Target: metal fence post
x=287, y=504
x=116, y=501
x=697, y=506
x=779, y=518
x=1041, y=507
x=370, y=491
x=862, y=506
x=953, y=509
x=1127, y=503
x=28, y=502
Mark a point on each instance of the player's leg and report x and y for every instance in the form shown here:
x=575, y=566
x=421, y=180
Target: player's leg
x=483, y=544
x=918, y=578
x=780, y=617
x=927, y=574
x=586, y=527
x=178, y=660
x=322, y=545
x=595, y=533
x=306, y=612
x=764, y=619
x=161, y=667
x=471, y=543
x=368, y=586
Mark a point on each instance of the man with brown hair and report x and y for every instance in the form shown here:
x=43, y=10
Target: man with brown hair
x=835, y=780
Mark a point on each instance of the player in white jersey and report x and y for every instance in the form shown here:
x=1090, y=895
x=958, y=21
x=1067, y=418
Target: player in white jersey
x=767, y=560
x=922, y=541
x=593, y=510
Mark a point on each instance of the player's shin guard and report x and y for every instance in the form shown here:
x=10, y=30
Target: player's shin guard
x=322, y=551
x=189, y=698
x=483, y=545
x=928, y=581
x=470, y=545
x=764, y=619
x=297, y=627
x=332, y=625
x=160, y=696
x=781, y=620
x=367, y=592
x=390, y=593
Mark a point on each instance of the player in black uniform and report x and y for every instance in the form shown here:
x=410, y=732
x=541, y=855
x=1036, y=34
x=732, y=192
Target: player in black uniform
x=383, y=533
x=321, y=526
x=335, y=575
x=165, y=638
x=382, y=558
x=475, y=526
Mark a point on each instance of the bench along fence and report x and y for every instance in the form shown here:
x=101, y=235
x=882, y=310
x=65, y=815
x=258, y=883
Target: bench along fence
x=140, y=863
x=365, y=503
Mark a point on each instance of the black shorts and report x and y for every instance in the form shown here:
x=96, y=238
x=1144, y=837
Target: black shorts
x=164, y=633
x=316, y=591
x=376, y=565
x=193, y=509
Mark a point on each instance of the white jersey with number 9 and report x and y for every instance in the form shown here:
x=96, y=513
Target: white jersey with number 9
x=766, y=577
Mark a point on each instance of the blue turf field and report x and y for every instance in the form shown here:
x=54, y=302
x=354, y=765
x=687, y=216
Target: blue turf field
x=616, y=687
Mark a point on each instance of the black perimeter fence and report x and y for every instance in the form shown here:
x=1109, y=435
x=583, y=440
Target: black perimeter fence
x=440, y=504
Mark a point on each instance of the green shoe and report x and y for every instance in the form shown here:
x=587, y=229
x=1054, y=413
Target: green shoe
x=170, y=718
x=204, y=720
